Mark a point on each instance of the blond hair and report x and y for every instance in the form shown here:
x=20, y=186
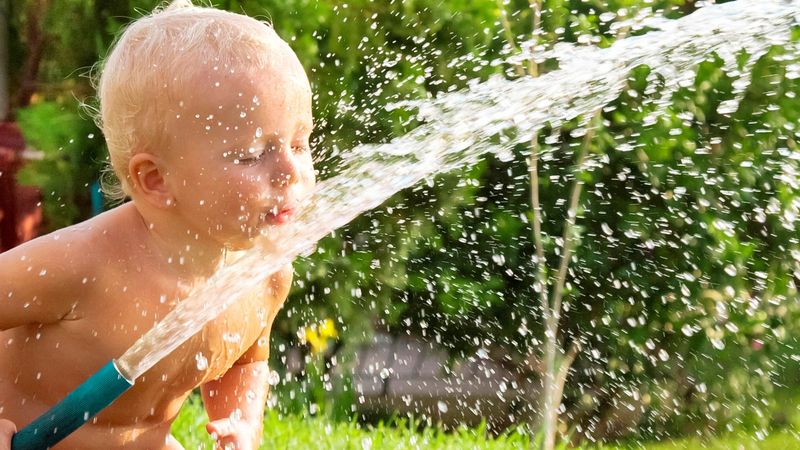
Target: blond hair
x=147, y=64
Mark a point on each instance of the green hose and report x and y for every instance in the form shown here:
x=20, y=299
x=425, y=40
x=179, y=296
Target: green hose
x=99, y=391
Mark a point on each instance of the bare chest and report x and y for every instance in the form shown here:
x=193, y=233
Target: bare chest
x=208, y=353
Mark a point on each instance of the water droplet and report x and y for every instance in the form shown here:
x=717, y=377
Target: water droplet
x=202, y=362
x=607, y=16
x=273, y=378
x=231, y=337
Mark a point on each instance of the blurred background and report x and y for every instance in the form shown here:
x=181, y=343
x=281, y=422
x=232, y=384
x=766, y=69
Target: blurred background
x=680, y=314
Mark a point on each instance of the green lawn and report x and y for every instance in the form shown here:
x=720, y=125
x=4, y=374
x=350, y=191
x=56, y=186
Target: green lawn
x=779, y=440
x=295, y=432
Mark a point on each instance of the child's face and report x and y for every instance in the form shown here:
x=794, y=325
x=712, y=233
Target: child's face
x=240, y=160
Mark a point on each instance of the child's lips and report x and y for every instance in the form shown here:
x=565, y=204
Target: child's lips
x=277, y=216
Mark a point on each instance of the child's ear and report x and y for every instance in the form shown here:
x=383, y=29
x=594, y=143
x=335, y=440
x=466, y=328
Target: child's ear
x=148, y=181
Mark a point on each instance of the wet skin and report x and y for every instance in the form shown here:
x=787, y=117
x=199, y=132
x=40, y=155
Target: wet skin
x=41, y=362
x=74, y=299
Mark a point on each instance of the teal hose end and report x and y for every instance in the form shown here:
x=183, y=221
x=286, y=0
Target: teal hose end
x=88, y=399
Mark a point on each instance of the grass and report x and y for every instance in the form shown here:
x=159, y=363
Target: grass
x=296, y=432
x=778, y=440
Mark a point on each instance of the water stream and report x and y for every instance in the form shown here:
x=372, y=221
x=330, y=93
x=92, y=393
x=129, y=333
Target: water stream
x=492, y=116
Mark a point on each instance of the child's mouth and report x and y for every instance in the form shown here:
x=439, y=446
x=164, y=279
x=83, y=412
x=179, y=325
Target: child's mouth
x=277, y=216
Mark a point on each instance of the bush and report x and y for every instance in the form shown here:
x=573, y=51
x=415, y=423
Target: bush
x=682, y=286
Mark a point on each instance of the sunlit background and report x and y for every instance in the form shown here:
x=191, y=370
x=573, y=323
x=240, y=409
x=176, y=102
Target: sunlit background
x=422, y=324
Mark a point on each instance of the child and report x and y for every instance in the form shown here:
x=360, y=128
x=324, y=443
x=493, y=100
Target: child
x=7, y=430
x=207, y=116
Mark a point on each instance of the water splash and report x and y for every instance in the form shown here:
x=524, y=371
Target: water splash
x=458, y=128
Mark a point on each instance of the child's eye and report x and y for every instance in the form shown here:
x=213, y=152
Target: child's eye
x=249, y=160
x=300, y=149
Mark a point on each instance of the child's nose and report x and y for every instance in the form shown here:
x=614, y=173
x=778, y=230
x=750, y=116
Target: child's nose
x=284, y=170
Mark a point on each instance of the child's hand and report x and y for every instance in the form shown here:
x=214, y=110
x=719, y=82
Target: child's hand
x=7, y=429
x=232, y=434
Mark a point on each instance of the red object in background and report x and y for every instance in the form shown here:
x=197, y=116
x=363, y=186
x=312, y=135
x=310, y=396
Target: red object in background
x=20, y=206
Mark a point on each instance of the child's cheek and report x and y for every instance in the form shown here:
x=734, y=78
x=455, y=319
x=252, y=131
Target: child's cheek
x=309, y=175
x=249, y=178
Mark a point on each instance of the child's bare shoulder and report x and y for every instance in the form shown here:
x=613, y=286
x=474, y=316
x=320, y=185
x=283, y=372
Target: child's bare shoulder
x=44, y=278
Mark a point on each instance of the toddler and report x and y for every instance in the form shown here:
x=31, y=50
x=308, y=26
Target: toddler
x=207, y=116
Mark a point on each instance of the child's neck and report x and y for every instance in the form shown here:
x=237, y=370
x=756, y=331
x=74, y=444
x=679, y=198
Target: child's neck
x=186, y=254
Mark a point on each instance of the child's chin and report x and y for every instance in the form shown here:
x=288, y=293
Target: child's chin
x=244, y=242
x=240, y=246
x=254, y=236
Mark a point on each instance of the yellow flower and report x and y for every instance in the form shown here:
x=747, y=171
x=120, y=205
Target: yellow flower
x=317, y=343
x=328, y=329
x=317, y=335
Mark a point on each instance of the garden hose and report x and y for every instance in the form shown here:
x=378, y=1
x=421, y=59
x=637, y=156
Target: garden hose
x=99, y=391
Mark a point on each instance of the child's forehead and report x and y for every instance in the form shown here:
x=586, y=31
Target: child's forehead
x=281, y=72
x=221, y=93
x=223, y=109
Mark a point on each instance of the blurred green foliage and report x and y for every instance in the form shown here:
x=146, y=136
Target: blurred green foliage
x=683, y=288
x=71, y=160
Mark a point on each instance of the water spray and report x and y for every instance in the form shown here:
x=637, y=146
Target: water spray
x=457, y=130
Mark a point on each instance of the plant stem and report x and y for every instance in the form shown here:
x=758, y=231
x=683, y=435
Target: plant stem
x=554, y=383
x=536, y=7
x=572, y=212
x=541, y=263
x=519, y=70
x=554, y=378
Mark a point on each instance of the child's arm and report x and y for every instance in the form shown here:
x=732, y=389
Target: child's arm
x=244, y=386
x=40, y=282
x=7, y=430
x=235, y=402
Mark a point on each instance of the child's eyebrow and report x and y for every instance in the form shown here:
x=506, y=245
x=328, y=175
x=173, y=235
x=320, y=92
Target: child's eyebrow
x=266, y=137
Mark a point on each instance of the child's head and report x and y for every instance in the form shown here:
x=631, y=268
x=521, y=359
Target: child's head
x=207, y=115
